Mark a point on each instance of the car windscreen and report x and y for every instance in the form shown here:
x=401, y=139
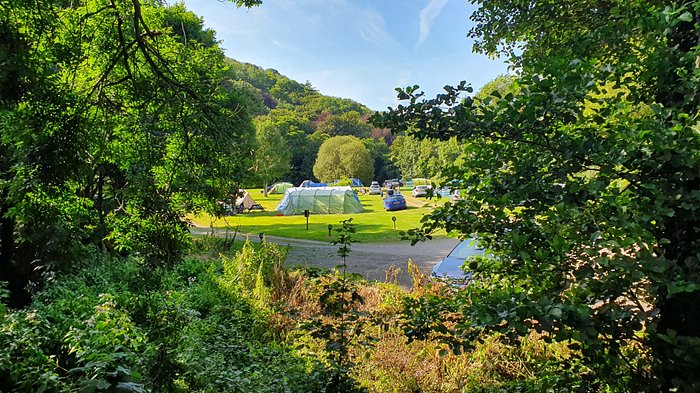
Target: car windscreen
x=465, y=249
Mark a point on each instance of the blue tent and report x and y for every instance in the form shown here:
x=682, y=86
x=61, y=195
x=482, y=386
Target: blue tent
x=309, y=183
x=356, y=182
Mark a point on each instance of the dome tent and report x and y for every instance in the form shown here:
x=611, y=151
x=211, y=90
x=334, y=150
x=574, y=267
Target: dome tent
x=319, y=200
x=279, y=188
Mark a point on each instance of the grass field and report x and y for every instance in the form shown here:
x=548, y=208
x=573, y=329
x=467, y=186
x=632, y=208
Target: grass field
x=373, y=225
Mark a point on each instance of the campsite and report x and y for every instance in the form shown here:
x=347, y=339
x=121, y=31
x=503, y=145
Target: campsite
x=374, y=223
x=186, y=210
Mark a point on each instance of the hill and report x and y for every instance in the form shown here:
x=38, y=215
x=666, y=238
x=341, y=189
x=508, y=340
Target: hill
x=305, y=118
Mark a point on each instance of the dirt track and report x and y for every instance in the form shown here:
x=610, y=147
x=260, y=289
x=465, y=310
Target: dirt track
x=371, y=260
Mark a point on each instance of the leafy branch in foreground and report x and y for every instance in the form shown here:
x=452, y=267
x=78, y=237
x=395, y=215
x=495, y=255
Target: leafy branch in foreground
x=119, y=122
x=582, y=180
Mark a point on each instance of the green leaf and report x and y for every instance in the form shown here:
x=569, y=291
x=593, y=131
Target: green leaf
x=686, y=17
x=680, y=287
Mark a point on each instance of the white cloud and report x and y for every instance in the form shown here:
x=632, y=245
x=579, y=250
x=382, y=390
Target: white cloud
x=364, y=20
x=427, y=18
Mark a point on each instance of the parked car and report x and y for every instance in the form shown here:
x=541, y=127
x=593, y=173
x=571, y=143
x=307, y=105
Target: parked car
x=374, y=188
x=394, y=201
x=449, y=269
x=393, y=183
x=420, y=191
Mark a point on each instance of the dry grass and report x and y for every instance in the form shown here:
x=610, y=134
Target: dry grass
x=392, y=363
x=397, y=366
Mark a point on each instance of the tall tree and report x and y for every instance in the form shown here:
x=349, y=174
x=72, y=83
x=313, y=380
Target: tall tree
x=117, y=124
x=383, y=168
x=587, y=200
x=404, y=154
x=344, y=156
x=303, y=149
x=272, y=157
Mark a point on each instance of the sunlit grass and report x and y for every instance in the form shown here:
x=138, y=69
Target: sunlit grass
x=373, y=225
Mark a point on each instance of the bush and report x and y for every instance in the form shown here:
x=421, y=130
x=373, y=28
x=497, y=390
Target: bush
x=119, y=325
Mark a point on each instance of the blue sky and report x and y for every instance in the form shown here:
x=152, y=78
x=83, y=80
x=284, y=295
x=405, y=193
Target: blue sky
x=358, y=49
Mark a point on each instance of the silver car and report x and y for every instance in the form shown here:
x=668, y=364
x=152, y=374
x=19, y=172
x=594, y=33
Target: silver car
x=449, y=269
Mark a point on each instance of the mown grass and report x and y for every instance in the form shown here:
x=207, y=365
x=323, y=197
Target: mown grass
x=373, y=225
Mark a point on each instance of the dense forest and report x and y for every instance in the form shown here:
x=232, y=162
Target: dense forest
x=578, y=173
x=292, y=120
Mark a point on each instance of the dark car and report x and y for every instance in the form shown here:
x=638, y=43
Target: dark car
x=394, y=202
x=449, y=269
x=393, y=183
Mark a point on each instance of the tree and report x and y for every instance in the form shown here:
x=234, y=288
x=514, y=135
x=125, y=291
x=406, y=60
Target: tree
x=503, y=84
x=588, y=200
x=248, y=97
x=383, y=168
x=272, y=156
x=349, y=123
x=117, y=124
x=303, y=149
x=343, y=156
x=404, y=154
x=289, y=91
x=427, y=158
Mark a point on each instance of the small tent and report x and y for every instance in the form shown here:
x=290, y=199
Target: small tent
x=246, y=202
x=319, y=200
x=279, y=188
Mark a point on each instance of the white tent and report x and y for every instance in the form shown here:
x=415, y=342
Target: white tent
x=246, y=202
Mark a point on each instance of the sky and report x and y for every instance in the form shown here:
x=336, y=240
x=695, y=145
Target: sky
x=357, y=49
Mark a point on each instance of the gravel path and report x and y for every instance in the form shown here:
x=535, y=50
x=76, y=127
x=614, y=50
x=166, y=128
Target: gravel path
x=371, y=260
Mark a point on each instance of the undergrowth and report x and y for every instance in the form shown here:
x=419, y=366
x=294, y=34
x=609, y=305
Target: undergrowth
x=232, y=318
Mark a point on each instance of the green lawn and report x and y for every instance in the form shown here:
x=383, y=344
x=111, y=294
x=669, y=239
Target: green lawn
x=373, y=225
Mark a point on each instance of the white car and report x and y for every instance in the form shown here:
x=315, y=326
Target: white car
x=374, y=188
x=420, y=191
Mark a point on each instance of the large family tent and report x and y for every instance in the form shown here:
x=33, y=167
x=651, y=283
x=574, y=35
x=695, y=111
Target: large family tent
x=279, y=188
x=319, y=200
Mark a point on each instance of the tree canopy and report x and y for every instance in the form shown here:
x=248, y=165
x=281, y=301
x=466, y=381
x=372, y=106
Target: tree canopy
x=348, y=123
x=344, y=156
x=116, y=121
x=582, y=182
x=272, y=157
